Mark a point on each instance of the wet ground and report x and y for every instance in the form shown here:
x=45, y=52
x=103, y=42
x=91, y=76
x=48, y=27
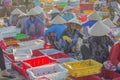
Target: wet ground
x=14, y=72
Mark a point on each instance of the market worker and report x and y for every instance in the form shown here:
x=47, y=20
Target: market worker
x=92, y=19
x=97, y=5
x=14, y=16
x=99, y=42
x=70, y=35
x=34, y=26
x=53, y=13
x=4, y=72
x=57, y=27
x=21, y=22
x=68, y=14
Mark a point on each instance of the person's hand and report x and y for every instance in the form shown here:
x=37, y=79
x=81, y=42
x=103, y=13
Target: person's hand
x=68, y=39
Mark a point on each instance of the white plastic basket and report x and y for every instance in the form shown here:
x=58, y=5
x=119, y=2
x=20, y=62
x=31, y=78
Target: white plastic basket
x=10, y=28
x=49, y=51
x=62, y=60
x=8, y=34
x=22, y=53
x=53, y=72
x=31, y=42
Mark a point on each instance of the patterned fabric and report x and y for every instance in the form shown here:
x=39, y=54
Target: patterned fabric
x=99, y=47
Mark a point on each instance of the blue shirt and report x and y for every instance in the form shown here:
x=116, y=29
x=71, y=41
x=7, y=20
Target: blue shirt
x=57, y=28
x=36, y=22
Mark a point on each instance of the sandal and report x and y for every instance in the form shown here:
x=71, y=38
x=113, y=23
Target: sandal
x=8, y=76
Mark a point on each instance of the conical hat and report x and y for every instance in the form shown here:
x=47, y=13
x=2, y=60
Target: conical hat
x=74, y=21
x=39, y=9
x=94, y=16
x=67, y=8
x=108, y=22
x=58, y=20
x=33, y=12
x=22, y=15
x=16, y=11
x=99, y=29
x=97, y=2
x=54, y=10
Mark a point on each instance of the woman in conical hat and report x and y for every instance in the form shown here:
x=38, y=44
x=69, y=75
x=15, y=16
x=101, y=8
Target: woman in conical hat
x=14, y=16
x=34, y=26
x=57, y=27
x=99, y=41
x=53, y=13
x=68, y=14
x=71, y=34
x=21, y=22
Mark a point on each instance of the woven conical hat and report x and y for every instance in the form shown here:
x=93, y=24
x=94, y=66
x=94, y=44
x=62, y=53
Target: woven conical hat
x=108, y=22
x=54, y=10
x=33, y=12
x=39, y=9
x=22, y=15
x=94, y=16
x=16, y=11
x=99, y=29
x=74, y=21
x=58, y=20
x=67, y=8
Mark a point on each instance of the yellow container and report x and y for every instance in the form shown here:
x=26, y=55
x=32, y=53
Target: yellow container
x=83, y=67
x=87, y=12
x=11, y=42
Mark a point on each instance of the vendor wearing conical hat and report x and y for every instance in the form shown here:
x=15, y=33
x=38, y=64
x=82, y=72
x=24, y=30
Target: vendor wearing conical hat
x=21, y=22
x=34, y=26
x=71, y=35
x=68, y=14
x=14, y=16
x=53, y=13
x=97, y=5
x=99, y=42
x=57, y=27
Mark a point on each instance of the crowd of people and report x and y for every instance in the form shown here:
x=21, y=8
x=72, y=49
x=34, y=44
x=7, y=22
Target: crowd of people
x=94, y=39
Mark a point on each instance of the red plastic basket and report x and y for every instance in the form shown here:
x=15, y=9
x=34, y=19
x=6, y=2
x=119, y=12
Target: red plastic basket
x=34, y=62
x=59, y=55
x=48, y=46
x=109, y=75
x=9, y=38
x=37, y=53
x=92, y=77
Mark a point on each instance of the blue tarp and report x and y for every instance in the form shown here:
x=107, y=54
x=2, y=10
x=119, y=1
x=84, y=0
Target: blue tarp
x=89, y=23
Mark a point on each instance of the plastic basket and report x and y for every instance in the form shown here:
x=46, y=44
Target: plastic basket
x=42, y=60
x=22, y=54
x=83, y=68
x=59, y=55
x=10, y=42
x=21, y=36
x=32, y=42
x=27, y=39
x=10, y=28
x=63, y=60
x=8, y=34
x=53, y=71
x=49, y=51
x=37, y=53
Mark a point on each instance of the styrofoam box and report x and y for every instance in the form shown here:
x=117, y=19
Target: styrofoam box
x=22, y=53
x=31, y=42
x=52, y=71
x=50, y=51
x=62, y=60
x=8, y=34
x=10, y=28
